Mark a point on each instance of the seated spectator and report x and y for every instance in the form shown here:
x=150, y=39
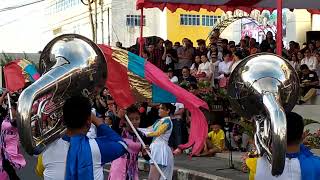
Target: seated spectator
x=294, y=61
x=193, y=88
x=172, y=78
x=310, y=60
x=252, y=46
x=187, y=77
x=308, y=83
x=224, y=69
x=215, y=140
x=195, y=65
x=237, y=57
x=205, y=67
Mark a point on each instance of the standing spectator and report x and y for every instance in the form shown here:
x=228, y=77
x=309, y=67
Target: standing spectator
x=212, y=50
x=158, y=53
x=232, y=43
x=152, y=57
x=169, y=56
x=216, y=37
x=202, y=48
x=185, y=55
x=310, y=60
x=176, y=45
x=232, y=48
x=291, y=48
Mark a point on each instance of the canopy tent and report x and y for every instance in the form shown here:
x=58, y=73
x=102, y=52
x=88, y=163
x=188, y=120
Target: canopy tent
x=313, y=6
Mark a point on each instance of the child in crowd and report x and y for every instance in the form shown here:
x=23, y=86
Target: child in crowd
x=215, y=141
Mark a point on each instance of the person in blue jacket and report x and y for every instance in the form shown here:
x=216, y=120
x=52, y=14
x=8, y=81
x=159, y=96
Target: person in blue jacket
x=75, y=156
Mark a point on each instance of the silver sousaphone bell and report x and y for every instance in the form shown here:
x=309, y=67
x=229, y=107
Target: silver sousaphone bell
x=70, y=65
x=263, y=87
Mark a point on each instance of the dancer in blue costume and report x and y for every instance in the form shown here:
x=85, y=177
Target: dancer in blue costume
x=300, y=162
x=75, y=156
x=160, y=150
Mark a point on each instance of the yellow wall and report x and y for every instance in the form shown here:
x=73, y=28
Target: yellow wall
x=177, y=32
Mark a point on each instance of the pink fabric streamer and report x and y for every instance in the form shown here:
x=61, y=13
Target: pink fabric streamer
x=199, y=125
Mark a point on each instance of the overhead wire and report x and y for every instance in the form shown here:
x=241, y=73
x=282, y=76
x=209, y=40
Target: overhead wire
x=20, y=6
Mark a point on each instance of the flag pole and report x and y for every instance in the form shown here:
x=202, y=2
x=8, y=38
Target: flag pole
x=141, y=32
x=279, y=28
x=9, y=104
x=144, y=146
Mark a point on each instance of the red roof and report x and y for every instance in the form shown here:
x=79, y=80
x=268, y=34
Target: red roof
x=313, y=6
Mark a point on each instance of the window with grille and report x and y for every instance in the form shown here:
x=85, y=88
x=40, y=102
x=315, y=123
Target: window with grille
x=61, y=5
x=134, y=20
x=189, y=20
x=209, y=20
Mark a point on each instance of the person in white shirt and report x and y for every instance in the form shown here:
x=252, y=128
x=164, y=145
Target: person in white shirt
x=224, y=69
x=224, y=66
x=173, y=79
x=300, y=163
x=205, y=67
x=310, y=61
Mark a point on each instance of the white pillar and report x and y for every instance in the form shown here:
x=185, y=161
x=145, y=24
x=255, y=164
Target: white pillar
x=316, y=22
x=298, y=23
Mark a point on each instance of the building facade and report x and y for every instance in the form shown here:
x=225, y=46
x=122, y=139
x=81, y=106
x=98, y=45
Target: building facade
x=118, y=20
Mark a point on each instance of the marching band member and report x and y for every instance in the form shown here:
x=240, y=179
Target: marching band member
x=126, y=167
x=160, y=151
x=10, y=156
x=75, y=156
x=300, y=162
